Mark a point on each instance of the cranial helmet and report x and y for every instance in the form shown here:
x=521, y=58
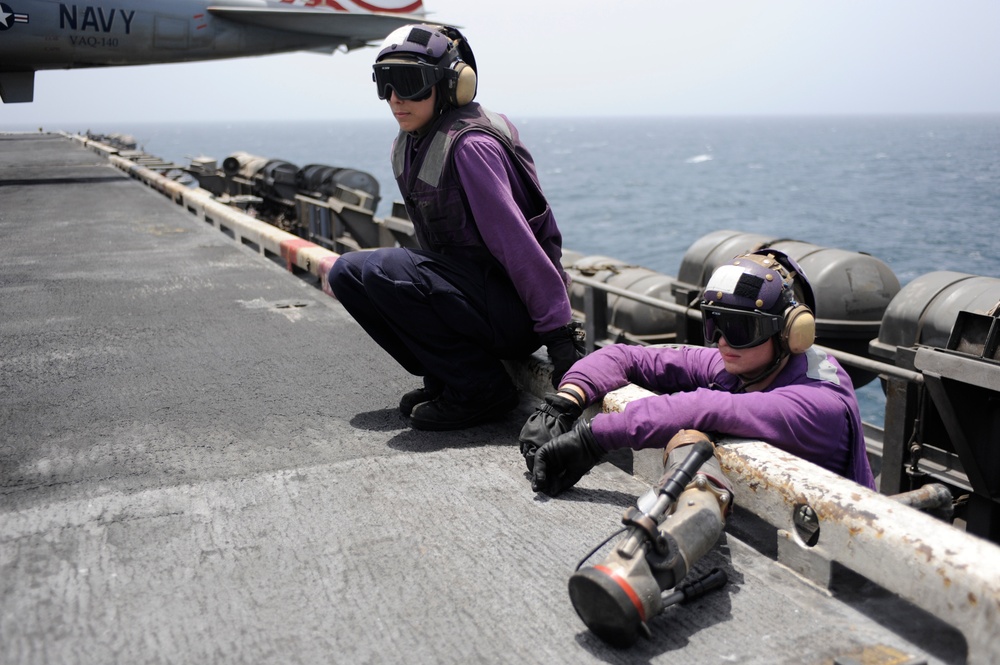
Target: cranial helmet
x=757, y=296
x=415, y=58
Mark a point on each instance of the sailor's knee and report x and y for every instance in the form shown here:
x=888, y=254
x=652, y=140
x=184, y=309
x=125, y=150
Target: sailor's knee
x=346, y=273
x=390, y=269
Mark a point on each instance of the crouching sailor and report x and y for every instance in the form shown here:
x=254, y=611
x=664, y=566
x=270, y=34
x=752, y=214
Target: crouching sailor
x=487, y=282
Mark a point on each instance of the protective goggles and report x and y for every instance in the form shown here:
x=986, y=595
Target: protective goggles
x=741, y=328
x=413, y=82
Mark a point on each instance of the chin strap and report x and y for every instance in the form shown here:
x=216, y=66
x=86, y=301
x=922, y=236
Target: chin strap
x=768, y=371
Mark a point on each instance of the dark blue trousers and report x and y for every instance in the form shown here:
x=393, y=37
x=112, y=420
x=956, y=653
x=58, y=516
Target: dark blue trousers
x=448, y=319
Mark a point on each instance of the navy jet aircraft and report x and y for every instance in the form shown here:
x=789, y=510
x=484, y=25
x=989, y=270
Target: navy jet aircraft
x=63, y=34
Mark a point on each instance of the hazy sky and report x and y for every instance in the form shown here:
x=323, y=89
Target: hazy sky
x=579, y=57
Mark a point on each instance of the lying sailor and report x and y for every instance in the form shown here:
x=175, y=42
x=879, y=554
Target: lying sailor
x=764, y=380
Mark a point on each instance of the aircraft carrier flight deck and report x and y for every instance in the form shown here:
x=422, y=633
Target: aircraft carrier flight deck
x=202, y=461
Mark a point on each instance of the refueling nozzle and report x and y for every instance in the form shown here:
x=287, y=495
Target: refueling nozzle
x=674, y=525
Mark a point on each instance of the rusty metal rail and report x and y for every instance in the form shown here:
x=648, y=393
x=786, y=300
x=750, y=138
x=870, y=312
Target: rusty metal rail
x=823, y=518
x=951, y=574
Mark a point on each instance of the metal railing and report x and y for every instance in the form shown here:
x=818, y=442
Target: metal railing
x=595, y=322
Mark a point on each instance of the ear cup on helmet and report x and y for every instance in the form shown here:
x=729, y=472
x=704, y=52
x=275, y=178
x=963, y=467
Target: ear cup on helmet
x=799, y=331
x=463, y=89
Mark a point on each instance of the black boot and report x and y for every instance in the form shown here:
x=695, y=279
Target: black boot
x=414, y=397
x=433, y=387
x=442, y=414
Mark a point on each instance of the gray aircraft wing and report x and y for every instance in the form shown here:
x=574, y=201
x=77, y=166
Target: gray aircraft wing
x=353, y=28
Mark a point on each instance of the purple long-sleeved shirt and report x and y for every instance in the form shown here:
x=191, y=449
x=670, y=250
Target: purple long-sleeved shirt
x=810, y=408
x=498, y=200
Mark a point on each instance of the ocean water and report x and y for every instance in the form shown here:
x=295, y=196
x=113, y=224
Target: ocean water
x=921, y=193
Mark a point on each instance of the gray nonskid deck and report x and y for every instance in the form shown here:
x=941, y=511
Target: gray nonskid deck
x=201, y=461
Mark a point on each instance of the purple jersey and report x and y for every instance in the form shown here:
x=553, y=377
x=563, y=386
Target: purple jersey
x=497, y=198
x=810, y=408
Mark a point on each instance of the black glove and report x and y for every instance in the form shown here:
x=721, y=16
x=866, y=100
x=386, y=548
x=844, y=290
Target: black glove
x=553, y=417
x=564, y=460
x=565, y=347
